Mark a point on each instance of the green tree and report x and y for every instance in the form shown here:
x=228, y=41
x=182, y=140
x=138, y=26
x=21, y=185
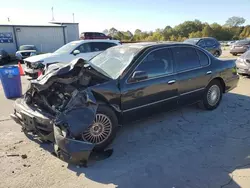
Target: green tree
x=188, y=27
x=246, y=32
x=207, y=31
x=235, y=21
x=197, y=34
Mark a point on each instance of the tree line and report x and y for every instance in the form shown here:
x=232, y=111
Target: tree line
x=231, y=30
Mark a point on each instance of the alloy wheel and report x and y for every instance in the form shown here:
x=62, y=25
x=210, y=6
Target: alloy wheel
x=213, y=95
x=99, y=131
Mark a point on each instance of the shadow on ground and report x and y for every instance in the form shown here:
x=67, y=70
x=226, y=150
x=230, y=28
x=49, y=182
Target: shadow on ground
x=188, y=147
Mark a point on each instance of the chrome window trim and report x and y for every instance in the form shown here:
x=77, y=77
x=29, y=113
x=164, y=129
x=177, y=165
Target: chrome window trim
x=152, y=103
x=174, y=73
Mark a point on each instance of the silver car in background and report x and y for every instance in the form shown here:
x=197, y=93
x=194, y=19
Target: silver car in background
x=243, y=63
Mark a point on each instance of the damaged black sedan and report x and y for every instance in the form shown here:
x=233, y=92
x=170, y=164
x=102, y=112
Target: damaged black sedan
x=79, y=106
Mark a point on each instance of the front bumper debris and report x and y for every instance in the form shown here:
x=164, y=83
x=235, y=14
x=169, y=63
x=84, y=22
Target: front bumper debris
x=70, y=150
x=64, y=129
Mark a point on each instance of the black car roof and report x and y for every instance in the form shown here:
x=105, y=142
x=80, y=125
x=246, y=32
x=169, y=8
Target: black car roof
x=143, y=45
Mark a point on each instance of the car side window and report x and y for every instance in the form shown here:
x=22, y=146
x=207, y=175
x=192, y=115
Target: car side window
x=204, y=61
x=209, y=42
x=201, y=43
x=84, y=48
x=157, y=63
x=186, y=58
x=101, y=46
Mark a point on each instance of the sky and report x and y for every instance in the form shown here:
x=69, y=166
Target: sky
x=147, y=15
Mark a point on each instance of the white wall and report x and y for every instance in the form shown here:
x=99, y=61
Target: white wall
x=71, y=32
x=46, y=39
x=8, y=47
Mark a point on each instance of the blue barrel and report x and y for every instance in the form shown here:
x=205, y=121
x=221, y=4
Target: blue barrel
x=11, y=81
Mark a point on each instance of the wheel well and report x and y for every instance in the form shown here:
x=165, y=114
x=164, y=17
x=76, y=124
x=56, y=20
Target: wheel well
x=221, y=82
x=118, y=115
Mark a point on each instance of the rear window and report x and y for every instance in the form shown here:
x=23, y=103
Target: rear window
x=204, y=61
x=101, y=46
x=192, y=41
x=209, y=42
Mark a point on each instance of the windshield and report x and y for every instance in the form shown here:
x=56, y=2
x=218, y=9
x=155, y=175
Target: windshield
x=21, y=48
x=67, y=48
x=192, y=41
x=114, y=60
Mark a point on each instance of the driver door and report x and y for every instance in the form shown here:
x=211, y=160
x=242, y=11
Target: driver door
x=159, y=89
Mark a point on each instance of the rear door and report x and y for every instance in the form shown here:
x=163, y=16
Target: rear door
x=158, y=90
x=193, y=73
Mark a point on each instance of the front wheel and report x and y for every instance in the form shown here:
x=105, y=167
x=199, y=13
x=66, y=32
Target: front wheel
x=103, y=130
x=212, y=96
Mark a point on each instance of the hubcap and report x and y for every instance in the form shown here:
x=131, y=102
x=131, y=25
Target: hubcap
x=213, y=95
x=99, y=131
x=216, y=54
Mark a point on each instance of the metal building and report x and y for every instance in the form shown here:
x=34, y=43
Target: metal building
x=47, y=37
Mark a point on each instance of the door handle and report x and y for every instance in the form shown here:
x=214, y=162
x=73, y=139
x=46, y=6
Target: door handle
x=171, y=82
x=209, y=72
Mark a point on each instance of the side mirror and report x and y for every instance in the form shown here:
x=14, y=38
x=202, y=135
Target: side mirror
x=139, y=75
x=75, y=52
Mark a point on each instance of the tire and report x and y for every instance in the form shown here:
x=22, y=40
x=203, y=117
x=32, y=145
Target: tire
x=107, y=112
x=216, y=54
x=234, y=54
x=213, y=87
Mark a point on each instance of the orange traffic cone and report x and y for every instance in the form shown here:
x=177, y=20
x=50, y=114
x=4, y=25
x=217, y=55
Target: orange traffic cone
x=20, y=69
x=39, y=73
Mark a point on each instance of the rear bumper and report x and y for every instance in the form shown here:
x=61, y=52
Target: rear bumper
x=238, y=50
x=42, y=124
x=232, y=83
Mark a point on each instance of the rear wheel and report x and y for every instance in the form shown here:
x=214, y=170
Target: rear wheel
x=103, y=130
x=212, y=96
x=234, y=54
x=217, y=54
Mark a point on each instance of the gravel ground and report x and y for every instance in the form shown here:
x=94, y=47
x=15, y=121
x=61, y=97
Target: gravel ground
x=188, y=147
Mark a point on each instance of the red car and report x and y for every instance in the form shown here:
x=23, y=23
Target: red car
x=93, y=35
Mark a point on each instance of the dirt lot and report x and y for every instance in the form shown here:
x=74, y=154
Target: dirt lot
x=188, y=147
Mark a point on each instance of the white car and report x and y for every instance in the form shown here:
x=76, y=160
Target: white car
x=25, y=51
x=85, y=49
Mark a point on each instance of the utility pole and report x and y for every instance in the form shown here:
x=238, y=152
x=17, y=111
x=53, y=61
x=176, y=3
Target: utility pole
x=73, y=17
x=52, y=11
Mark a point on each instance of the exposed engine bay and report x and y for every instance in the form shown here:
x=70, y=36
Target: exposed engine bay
x=59, y=107
x=53, y=93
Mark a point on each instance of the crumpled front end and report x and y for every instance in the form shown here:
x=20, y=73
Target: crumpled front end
x=64, y=129
x=69, y=126
x=59, y=107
